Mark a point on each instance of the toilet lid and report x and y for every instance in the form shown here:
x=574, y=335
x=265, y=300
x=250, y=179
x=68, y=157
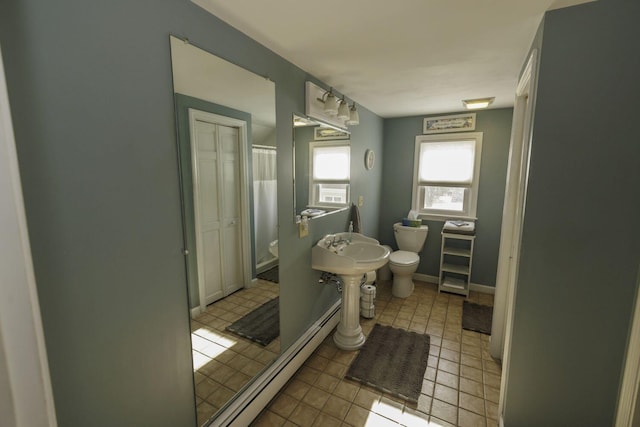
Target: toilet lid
x=404, y=257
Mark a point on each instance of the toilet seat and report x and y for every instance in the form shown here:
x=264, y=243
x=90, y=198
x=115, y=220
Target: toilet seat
x=404, y=258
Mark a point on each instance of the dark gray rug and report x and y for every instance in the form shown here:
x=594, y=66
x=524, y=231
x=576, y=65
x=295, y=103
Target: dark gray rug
x=477, y=317
x=271, y=275
x=262, y=325
x=393, y=361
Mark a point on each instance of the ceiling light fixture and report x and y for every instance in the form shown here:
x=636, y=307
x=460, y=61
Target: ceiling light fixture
x=476, y=104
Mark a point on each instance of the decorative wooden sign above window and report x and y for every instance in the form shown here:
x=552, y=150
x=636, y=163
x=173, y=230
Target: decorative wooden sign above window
x=454, y=123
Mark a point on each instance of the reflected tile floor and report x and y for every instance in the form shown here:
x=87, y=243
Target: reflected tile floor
x=223, y=362
x=461, y=385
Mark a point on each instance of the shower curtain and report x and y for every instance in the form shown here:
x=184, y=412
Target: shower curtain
x=265, y=201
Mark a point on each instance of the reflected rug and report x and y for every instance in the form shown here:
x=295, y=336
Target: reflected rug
x=477, y=317
x=393, y=361
x=262, y=325
x=272, y=275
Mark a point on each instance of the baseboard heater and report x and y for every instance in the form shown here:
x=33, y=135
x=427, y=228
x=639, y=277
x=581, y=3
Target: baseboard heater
x=246, y=407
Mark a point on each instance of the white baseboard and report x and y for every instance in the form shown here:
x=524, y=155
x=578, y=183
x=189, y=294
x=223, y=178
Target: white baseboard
x=195, y=312
x=484, y=289
x=248, y=405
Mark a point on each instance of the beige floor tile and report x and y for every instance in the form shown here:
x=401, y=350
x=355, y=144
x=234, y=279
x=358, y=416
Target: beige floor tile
x=304, y=415
x=446, y=394
x=357, y=416
x=346, y=390
x=449, y=366
x=283, y=405
x=471, y=373
x=447, y=378
x=472, y=403
x=326, y=420
x=470, y=419
x=388, y=408
x=337, y=407
x=413, y=418
x=471, y=387
x=269, y=419
x=444, y=411
x=316, y=397
x=296, y=389
x=366, y=398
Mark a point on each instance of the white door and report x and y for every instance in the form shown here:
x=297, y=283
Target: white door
x=231, y=243
x=216, y=163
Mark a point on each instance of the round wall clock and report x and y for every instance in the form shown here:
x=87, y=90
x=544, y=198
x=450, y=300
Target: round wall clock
x=369, y=159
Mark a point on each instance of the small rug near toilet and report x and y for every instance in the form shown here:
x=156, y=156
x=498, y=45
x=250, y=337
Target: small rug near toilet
x=477, y=317
x=393, y=361
x=261, y=325
x=272, y=275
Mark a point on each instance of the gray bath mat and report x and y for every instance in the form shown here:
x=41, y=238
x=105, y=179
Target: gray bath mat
x=271, y=275
x=393, y=361
x=477, y=317
x=262, y=325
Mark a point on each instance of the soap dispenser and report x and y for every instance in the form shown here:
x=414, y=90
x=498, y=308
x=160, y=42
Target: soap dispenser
x=350, y=231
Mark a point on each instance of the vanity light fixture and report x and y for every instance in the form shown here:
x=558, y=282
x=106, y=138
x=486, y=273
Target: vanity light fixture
x=354, y=117
x=325, y=106
x=330, y=103
x=343, y=109
x=476, y=104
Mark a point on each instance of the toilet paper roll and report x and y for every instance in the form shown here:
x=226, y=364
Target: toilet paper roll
x=368, y=313
x=367, y=294
x=366, y=306
x=367, y=290
x=367, y=300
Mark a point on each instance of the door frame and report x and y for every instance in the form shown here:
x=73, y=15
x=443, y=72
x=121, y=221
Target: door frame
x=512, y=222
x=26, y=395
x=629, y=397
x=242, y=126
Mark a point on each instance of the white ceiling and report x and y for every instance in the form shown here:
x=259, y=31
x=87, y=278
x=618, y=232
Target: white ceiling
x=403, y=58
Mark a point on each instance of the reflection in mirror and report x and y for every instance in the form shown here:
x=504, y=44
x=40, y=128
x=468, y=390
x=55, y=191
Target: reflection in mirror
x=322, y=168
x=226, y=140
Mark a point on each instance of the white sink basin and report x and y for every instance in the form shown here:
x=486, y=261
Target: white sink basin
x=336, y=253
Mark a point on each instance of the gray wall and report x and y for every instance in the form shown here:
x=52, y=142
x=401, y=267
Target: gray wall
x=400, y=136
x=92, y=101
x=581, y=236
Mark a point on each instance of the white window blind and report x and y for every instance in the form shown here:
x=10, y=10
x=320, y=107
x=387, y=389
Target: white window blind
x=330, y=163
x=446, y=174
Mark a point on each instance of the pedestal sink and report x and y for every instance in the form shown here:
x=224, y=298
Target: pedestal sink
x=349, y=255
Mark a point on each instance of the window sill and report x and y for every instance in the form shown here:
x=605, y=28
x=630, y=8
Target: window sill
x=444, y=218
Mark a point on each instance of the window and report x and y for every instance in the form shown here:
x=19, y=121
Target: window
x=446, y=174
x=330, y=173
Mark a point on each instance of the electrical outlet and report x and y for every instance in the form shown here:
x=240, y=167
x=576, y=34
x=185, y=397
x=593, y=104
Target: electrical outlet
x=360, y=200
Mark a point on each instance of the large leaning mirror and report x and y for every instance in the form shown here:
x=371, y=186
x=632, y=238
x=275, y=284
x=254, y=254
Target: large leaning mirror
x=227, y=149
x=322, y=168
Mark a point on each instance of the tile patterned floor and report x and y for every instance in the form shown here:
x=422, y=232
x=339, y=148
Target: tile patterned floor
x=224, y=362
x=461, y=385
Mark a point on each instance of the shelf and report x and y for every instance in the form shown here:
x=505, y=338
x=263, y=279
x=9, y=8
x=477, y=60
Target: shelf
x=455, y=277
x=455, y=286
x=465, y=252
x=454, y=268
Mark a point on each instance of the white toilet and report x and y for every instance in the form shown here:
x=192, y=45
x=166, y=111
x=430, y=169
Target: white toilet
x=404, y=262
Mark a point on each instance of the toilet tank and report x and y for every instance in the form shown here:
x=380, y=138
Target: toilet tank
x=410, y=238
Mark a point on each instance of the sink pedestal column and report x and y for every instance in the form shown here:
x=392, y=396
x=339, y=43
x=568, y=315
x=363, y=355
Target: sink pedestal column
x=349, y=334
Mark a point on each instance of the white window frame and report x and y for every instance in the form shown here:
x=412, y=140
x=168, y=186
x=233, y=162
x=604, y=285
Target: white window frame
x=313, y=194
x=471, y=197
